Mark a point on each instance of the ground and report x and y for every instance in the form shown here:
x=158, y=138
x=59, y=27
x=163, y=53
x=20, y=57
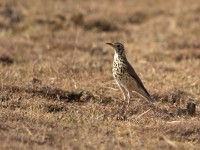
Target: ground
x=57, y=89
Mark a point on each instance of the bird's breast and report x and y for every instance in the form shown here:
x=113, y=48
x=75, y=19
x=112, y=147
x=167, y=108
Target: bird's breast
x=118, y=69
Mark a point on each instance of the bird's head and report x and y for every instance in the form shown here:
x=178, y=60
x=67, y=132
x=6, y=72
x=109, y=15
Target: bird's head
x=118, y=47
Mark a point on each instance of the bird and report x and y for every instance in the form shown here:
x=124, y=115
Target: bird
x=125, y=76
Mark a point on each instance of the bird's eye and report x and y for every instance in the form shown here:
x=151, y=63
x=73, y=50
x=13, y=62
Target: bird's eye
x=118, y=46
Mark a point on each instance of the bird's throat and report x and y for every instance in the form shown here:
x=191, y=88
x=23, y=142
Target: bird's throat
x=118, y=57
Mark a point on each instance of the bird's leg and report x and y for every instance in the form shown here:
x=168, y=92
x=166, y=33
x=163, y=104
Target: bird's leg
x=123, y=91
x=128, y=95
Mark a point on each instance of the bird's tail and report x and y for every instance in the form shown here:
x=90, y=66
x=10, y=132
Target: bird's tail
x=148, y=98
x=145, y=94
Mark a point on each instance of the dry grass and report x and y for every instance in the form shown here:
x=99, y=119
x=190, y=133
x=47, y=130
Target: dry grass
x=57, y=90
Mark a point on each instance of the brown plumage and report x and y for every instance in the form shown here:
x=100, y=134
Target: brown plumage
x=124, y=74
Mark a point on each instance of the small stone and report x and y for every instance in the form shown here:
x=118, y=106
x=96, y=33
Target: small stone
x=191, y=108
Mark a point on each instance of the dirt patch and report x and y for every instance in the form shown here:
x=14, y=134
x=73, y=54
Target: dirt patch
x=138, y=18
x=54, y=93
x=6, y=60
x=55, y=108
x=49, y=93
x=178, y=103
x=182, y=42
x=187, y=54
x=55, y=22
x=13, y=15
x=77, y=19
x=173, y=96
x=100, y=25
x=11, y=18
x=189, y=110
x=36, y=81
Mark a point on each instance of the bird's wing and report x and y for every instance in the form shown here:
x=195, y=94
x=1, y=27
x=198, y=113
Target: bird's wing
x=132, y=72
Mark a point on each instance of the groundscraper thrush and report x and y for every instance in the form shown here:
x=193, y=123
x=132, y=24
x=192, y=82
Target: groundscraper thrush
x=125, y=75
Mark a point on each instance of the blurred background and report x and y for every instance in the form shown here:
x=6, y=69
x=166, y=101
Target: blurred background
x=52, y=47
x=66, y=38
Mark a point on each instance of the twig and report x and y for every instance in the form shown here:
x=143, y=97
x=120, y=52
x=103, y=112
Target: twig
x=110, y=88
x=143, y=113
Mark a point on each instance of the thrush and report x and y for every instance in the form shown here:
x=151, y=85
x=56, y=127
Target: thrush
x=125, y=76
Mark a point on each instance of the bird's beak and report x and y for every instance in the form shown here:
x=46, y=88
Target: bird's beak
x=111, y=44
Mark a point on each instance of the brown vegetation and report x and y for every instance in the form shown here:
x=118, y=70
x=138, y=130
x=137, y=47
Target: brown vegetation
x=57, y=89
